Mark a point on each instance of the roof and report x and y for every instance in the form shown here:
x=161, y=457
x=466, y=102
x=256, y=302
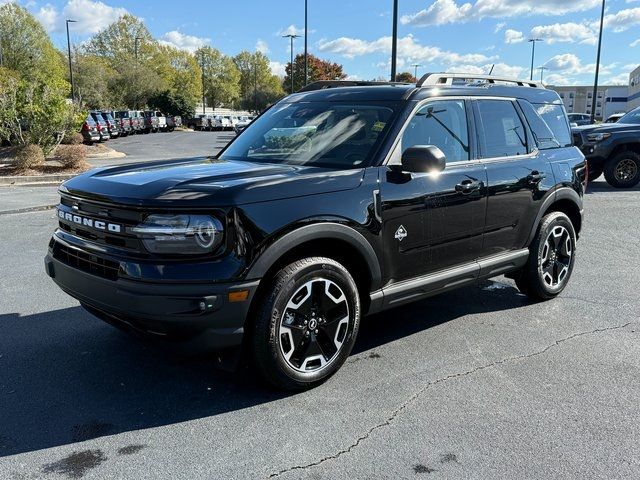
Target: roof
x=397, y=93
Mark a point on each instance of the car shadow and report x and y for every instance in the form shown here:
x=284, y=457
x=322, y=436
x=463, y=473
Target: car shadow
x=67, y=377
x=600, y=186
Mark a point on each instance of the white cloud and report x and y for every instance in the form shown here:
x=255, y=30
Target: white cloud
x=622, y=20
x=262, y=47
x=513, y=36
x=277, y=68
x=621, y=79
x=499, y=27
x=635, y=43
x=570, y=64
x=182, y=41
x=90, y=16
x=566, y=32
x=291, y=30
x=441, y=12
x=408, y=49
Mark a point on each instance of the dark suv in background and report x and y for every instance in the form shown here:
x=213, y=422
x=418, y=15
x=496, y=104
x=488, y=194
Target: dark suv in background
x=345, y=199
x=612, y=149
x=101, y=125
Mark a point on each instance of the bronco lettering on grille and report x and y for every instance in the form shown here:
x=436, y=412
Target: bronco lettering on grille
x=88, y=222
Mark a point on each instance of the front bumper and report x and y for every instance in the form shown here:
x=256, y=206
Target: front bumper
x=198, y=313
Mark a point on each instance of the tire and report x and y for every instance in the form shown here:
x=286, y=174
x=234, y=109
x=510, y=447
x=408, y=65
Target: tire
x=623, y=170
x=549, y=249
x=307, y=324
x=594, y=174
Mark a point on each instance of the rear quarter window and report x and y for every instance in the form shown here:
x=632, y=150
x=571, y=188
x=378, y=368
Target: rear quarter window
x=556, y=118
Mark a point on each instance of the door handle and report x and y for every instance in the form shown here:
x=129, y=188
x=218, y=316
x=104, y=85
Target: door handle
x=468, y=186
x=536, y=177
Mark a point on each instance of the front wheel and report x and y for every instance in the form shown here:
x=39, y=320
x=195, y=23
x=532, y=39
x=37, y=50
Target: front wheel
x=623, y=170
x=551, y=259
x=307, y=324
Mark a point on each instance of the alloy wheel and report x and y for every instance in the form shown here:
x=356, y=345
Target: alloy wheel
x=314, y=325
x=556, y=257
x=625, y=170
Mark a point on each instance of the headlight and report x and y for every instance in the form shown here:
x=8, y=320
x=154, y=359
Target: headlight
x=598, y=137
x=180, y=234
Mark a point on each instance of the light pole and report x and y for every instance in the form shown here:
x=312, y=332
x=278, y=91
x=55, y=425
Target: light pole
x=306, y=29
x=135, y=46
x=255, y=86
x=415, y=70
x=533, y=53
x=394, y=41
x=595, y=83
x=202, y=69
x=73, y=90
x=291, y=36
x=542, y=69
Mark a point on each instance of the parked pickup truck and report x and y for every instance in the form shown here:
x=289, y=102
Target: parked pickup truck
x=612, y=149
x=155, y=121
x=199, y=122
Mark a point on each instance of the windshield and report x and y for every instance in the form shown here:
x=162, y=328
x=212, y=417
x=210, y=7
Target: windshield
x=632, y=117
x=320, y=134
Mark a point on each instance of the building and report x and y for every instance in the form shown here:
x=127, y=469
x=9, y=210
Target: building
x=616, y=100
x=579, y=99
x=634, y=90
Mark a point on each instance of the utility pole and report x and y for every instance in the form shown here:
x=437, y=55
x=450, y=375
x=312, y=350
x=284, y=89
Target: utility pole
x=135, y=46
x=533, y=53
x=255, y=86
x=306, y=30
x=415, y=70
x=73, y=90
x=595, y=83
x=542, y=69
x=202, y=69
x=291, y=36
x=394, y=41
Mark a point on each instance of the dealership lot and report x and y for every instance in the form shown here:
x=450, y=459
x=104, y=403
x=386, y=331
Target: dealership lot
x=478, y=383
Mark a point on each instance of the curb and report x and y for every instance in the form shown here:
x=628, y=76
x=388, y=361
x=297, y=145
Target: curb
x=106, y=155
x=40, y=208
x=36, y=179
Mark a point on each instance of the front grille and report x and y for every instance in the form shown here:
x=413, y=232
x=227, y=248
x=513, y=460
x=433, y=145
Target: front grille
x=86, y=262
x=577, y=139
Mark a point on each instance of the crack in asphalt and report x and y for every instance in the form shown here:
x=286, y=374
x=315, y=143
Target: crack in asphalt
x=416, y=395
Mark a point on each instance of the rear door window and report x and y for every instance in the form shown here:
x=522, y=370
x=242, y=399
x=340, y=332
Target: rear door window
x=502, y=133
x=556, y=118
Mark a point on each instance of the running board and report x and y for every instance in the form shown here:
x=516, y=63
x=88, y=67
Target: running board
x=432, y=284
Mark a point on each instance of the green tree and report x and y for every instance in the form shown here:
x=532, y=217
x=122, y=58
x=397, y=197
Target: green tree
x=181, y=76
x=221, y=77
x=318, y=70
x=117, y=42
x=258, y=86
x=173, y=103
x=405, y=77
x=92, y=77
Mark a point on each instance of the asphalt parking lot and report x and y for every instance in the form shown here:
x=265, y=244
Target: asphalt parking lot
x=478, y=383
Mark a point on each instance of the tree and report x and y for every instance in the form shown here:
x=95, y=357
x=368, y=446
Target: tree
x=221, y=77
x=318, y=70
x=92, y=77
x=173, y=103
x=26, y=47
x=258, y=86
x=117, y=42
x=181, y=76
x=405, y=77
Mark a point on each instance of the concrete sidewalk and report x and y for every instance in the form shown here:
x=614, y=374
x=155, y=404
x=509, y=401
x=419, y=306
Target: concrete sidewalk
x=17, y=199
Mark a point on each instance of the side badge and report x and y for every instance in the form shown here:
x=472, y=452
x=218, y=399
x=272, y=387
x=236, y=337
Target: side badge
x=401, y=233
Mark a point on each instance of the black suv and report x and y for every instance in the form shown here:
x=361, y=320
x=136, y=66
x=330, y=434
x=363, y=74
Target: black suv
x=342, y=200
x=612, y=149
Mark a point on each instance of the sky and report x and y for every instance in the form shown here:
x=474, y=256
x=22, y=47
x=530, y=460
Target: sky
x=438, y=35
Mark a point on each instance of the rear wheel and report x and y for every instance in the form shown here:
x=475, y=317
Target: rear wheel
x=623, y=170
x=307, y=324
x=551, y=259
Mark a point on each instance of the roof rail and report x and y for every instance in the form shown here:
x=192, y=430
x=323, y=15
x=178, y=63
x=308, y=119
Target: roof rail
x=322, y=84
x=447, y=79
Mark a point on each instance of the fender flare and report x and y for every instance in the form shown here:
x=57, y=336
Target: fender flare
x=318, y=231
x=562, y=193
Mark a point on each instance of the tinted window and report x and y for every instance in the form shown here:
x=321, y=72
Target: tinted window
x=502, y=131
x=556, y=118
x=443, y=124
x=542, y=133
x=324, y=134
x=632, y=117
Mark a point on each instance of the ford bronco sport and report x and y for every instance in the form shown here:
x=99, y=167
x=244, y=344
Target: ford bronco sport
x=344, y=199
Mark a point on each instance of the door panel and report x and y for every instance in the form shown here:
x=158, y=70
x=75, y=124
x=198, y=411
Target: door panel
x=443, y=224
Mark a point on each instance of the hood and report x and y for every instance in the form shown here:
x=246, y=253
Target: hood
x=606, y=127
x=207, y=182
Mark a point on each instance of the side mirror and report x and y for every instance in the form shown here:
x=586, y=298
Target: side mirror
x=423, y=159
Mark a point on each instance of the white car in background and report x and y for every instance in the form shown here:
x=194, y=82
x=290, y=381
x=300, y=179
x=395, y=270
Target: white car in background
x=243, y=121
x=221, y=122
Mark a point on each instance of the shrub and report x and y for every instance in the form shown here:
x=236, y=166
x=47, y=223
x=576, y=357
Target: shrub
x=29, y=156
x=72, y=156
x=73, y=138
